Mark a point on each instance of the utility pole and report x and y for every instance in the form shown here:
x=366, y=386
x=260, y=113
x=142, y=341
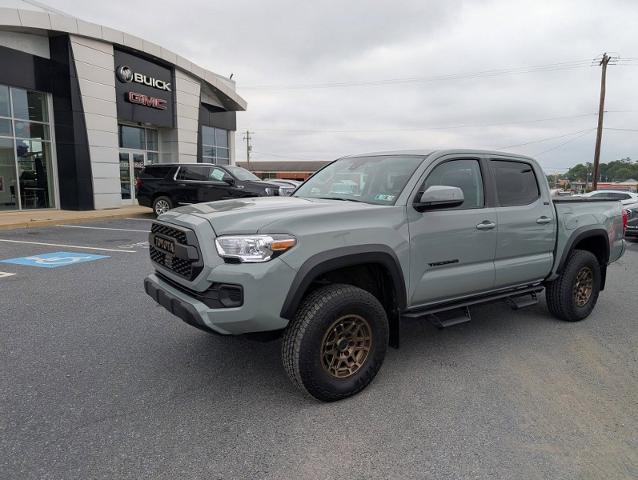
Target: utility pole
x=604, y=61
x=249, y=147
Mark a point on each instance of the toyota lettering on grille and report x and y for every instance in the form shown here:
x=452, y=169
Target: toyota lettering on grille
x=165, y=245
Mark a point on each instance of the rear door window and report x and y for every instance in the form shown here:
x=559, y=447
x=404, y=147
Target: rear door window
x=193, y=172
x=155, y=172
x=516, y=183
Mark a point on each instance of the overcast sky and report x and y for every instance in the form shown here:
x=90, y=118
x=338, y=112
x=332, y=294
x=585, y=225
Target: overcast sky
x=408, y=71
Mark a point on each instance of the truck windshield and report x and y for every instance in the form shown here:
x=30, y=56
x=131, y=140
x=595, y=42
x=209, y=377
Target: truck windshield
x=378, y=180
x=241, y=173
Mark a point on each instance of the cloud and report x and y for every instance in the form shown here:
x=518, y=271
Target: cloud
x=288, y=43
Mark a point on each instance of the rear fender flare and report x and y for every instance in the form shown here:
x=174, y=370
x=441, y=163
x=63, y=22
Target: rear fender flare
x=580, y=234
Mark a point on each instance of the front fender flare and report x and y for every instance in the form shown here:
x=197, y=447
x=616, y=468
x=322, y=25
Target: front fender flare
x=337, y=258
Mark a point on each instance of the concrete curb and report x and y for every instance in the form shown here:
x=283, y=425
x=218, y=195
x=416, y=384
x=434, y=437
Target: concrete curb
x=88, y=216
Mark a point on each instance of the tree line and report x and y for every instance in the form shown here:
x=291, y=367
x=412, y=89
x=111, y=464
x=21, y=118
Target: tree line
x=614, y=171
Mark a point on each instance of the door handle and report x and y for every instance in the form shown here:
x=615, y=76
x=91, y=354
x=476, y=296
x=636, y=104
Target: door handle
x=485, y=225
x=181, y=184
x=543, y=220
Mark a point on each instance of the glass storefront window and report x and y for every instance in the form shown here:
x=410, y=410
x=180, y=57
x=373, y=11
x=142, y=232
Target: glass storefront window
x=221, y=137
x=5, y=128
x=139, y=146
x=5, y=110
x=8, y=184
x=26, y=162
x=29, y=105
x=34, y=169
x=31, y=130
x=151, y=140
x=215, y=146
x=125, y=176
x=132, y=137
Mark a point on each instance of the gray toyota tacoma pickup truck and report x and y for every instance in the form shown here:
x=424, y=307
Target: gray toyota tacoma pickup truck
x=371, y=239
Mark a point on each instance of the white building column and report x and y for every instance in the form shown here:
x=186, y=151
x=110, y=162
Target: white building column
x=96, y=76
x=187, y=92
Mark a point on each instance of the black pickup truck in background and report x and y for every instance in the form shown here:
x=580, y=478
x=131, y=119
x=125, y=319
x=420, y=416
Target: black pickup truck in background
x=169, y=185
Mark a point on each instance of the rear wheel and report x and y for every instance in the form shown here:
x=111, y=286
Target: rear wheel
x=336, y=343
x=573, y=295
x=162, y=205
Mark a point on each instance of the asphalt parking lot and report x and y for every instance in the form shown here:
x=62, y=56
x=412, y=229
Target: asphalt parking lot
x=97, y=381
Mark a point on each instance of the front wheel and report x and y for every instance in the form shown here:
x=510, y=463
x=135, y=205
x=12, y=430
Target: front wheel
x=573, y=295
x=336, y=343
x=162, y=205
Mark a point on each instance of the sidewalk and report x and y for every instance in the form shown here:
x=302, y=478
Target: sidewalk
x=40, y=218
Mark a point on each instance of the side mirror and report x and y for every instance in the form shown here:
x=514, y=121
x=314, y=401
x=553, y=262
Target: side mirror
x=229, y=180
x=440, y=196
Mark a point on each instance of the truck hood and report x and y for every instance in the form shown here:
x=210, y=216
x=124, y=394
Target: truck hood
x=250, y=215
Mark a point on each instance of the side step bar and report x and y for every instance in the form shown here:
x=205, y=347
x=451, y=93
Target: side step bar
x=453, y=318
x=521, y=301
x=516, y=298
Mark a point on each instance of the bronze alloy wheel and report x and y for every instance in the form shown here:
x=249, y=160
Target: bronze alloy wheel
x=346, y=345
x=584, y=286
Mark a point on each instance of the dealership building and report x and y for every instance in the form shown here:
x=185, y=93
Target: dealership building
x=83, y=107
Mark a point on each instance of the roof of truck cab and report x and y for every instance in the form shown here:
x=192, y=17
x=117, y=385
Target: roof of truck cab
x=175, y=164
x=425, y=153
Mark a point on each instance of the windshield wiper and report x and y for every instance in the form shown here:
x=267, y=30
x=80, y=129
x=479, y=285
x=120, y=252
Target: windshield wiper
x=341, y=198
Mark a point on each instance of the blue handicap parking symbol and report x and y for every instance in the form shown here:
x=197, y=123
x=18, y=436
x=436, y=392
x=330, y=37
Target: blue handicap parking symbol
x=54, y=260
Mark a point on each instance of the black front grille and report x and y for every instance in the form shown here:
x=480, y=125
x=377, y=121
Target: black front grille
x=186, y=261
x=171, y=232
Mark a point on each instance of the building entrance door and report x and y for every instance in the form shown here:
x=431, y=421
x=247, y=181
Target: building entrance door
x=131, y=163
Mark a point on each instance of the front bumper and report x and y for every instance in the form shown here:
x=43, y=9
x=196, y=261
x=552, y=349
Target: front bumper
x=259, y=312
x=173, y=304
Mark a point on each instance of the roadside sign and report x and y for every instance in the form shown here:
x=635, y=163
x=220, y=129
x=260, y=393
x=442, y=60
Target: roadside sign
x=54, y=260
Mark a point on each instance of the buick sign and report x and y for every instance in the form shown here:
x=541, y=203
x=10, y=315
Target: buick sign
x=126, y=75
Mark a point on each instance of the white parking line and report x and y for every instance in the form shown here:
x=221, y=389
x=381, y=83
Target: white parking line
x=6, y=274
x=103, y=228
x=68, y=246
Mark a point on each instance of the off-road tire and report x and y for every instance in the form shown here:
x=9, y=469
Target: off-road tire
x=560, y=295
x=158, y=201
x=302, y=353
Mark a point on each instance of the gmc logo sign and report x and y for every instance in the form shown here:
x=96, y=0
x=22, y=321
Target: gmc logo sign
x=145, y=100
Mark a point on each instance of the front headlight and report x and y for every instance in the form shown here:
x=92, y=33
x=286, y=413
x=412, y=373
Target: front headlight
x=253, y=248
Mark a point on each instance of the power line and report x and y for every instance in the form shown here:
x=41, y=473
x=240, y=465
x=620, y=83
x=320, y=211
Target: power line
x=541, y=140
x=420, y=129
x=563, y=143
x=283, y=156
x=454, y=76
x=621, y=129
x=433, y=127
